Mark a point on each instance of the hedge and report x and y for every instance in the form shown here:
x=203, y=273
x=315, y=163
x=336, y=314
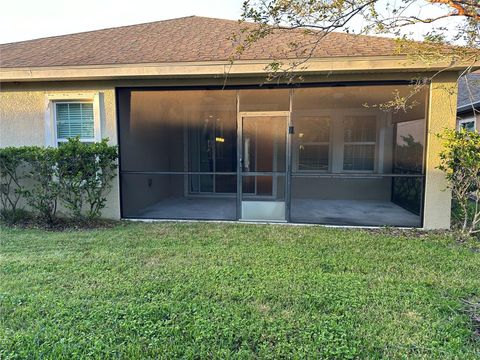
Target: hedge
x=77, y=175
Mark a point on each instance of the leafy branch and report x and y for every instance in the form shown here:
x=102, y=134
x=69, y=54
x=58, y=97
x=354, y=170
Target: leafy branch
x=310, y=22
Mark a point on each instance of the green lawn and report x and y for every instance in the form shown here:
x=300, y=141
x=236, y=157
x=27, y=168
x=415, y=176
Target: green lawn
x=225, y=290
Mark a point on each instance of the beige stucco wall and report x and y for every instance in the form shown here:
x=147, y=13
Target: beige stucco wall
x=23, y=105
x=22, y=119
x=442, y=113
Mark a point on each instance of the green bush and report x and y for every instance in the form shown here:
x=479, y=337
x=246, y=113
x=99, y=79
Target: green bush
x=42, y=194
x=11, y=181
x=78, y=175
x=460, y=161
x=85, y=173
x=20, y=215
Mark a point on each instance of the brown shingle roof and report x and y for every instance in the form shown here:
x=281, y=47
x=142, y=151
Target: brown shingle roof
x=186, y=39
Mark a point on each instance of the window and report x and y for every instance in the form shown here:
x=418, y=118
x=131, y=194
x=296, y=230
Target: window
x=71, y=114
x=74, y=119
x=468, y=124
x=360, y=133
x=335, y=142
x=313, y=142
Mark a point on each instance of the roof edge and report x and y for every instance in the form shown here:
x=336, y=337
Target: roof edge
x=220, y=68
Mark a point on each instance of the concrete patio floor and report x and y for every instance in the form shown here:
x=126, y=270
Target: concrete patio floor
x=331, y=212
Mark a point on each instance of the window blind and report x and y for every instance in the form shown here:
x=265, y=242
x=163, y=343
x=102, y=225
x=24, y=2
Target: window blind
x=360, y=133
x=75, y=119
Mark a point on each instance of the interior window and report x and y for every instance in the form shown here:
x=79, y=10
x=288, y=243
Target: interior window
x=74, y=119
x=360, y=133
x=313, y=142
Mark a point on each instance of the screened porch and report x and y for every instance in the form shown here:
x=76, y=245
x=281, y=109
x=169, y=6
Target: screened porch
x=326, y=155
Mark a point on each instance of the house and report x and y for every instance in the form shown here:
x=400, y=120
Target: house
x=468, y=112
x=202, y=138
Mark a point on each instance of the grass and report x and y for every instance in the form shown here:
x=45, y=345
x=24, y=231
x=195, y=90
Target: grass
x=201, y=290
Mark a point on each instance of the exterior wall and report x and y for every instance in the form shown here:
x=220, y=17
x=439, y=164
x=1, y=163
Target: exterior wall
x=22, y=120
x=441, y=114
x=23, y=106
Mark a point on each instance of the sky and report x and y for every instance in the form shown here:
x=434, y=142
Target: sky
x=32, y=19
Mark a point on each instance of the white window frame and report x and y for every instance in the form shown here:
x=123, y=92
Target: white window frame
x=336, y=141
x=375, y=143
x=472, y=119
x=51, y=138
x=296, y=142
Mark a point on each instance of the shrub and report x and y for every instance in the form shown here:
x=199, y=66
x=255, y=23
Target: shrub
x=460, y=161
x=20, y=215
x=85, y=173
x=42, y=193
x=11, y=178
x=77, y=174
